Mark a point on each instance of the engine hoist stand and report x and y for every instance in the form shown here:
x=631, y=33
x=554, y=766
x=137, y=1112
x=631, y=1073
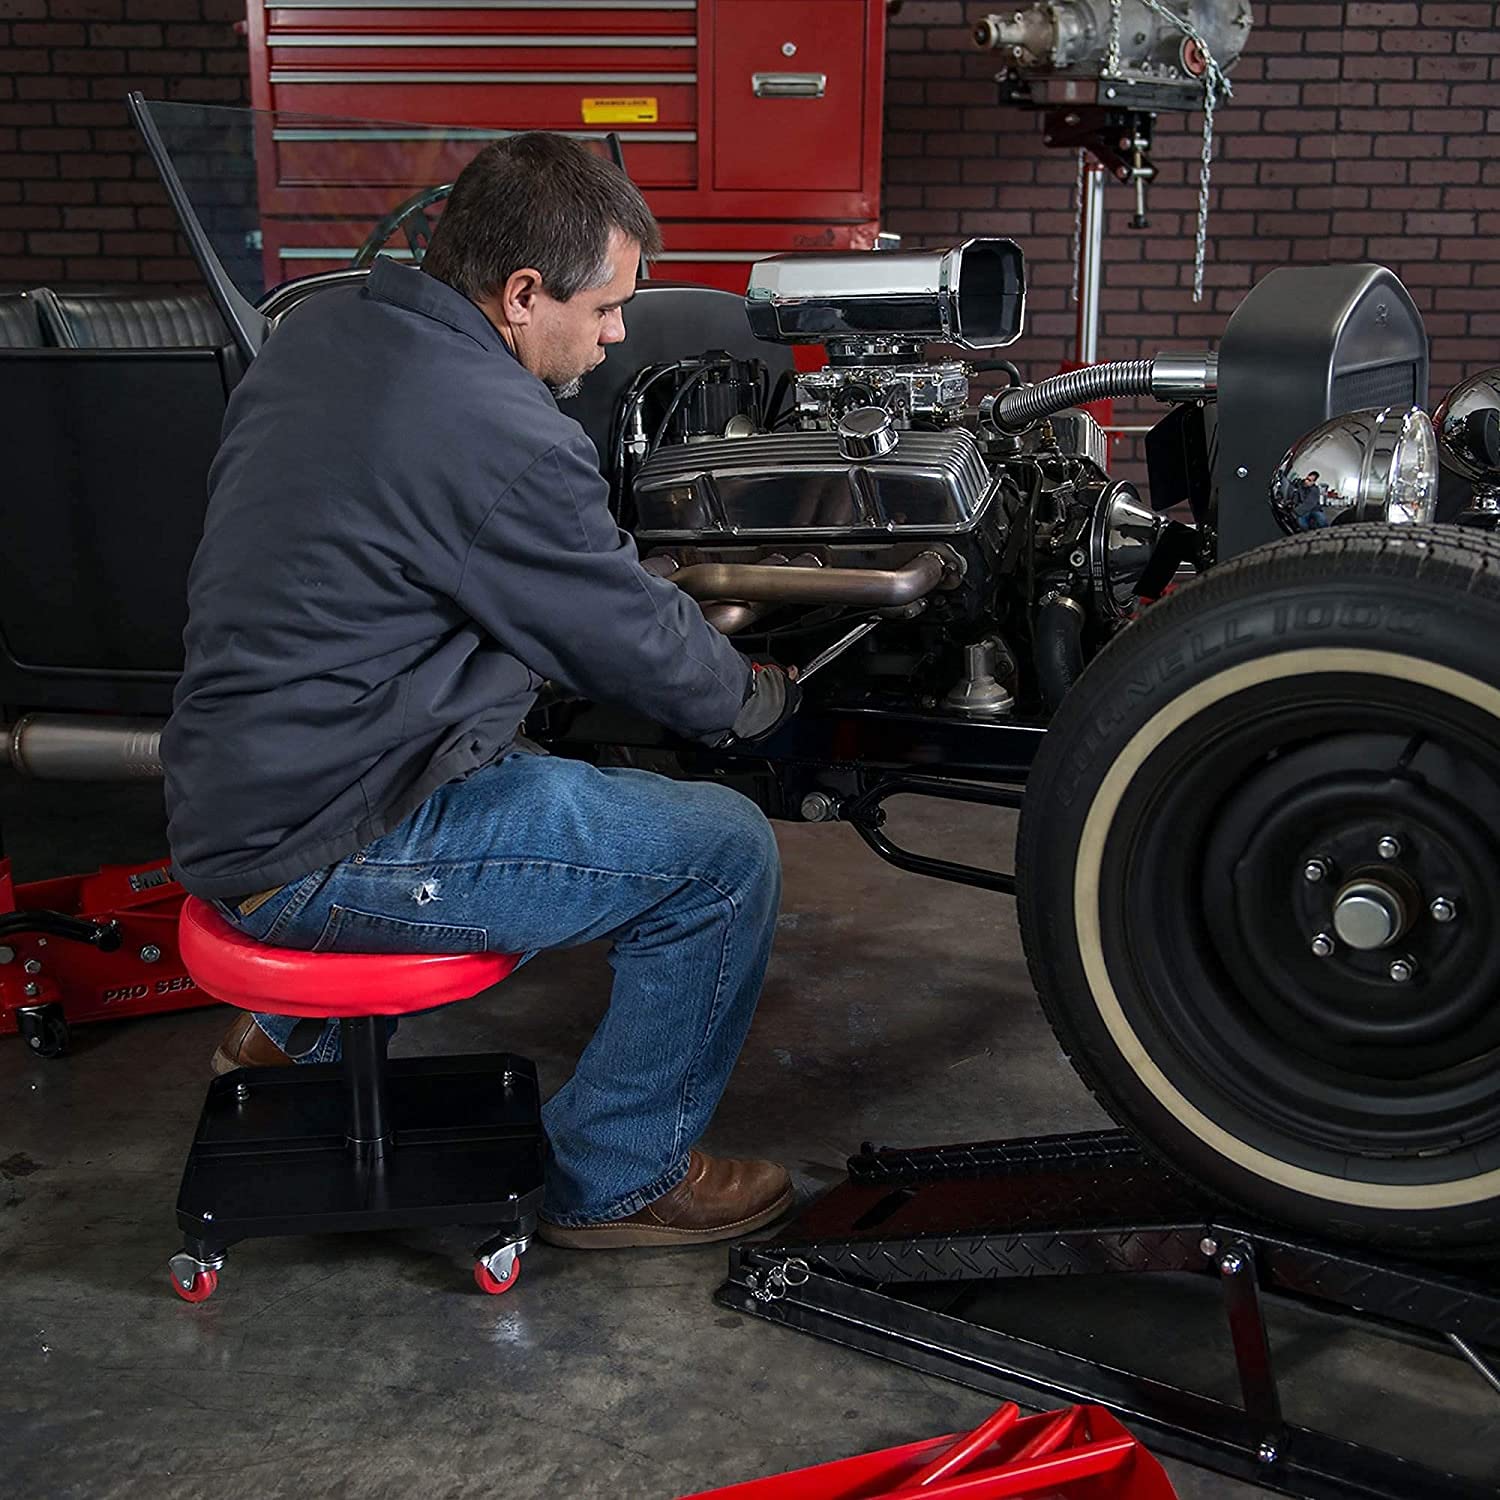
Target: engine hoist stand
x=889, y=1261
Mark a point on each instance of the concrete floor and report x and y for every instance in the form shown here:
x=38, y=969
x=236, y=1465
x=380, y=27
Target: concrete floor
x=897, y=1009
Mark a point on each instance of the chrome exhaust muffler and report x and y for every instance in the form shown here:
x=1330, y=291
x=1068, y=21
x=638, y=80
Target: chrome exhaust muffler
x=81, y=747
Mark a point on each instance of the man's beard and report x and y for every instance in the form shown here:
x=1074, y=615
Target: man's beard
x=563, y=389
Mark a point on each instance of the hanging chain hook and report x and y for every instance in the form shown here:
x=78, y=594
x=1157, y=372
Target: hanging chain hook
x=1216, y=89
x=1077, y=246
x=1112, y=57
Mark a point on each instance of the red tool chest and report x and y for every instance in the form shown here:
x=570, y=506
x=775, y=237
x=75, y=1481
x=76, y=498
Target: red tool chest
x=752, y=126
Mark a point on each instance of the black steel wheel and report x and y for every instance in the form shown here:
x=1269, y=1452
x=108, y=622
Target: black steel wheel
x=1259, y=883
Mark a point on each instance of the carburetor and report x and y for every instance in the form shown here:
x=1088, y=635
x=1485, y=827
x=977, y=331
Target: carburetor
x=935, y=394
x=875, y=315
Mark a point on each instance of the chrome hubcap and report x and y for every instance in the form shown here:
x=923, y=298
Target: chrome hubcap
x=1368, y=914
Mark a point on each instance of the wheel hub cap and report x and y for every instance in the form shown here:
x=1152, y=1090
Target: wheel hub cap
x=1368, y=914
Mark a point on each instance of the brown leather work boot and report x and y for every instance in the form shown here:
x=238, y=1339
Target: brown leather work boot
x=245, y=1045
x=717, y=1200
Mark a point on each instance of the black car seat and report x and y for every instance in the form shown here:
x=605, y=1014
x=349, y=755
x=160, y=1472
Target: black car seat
x=110, y=320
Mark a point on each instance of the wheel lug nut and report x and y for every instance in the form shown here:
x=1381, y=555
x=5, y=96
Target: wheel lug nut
x=1389, y=847
x=1315, y=870
x=1403, y=969
x=1442, y=909
x=1323, y=945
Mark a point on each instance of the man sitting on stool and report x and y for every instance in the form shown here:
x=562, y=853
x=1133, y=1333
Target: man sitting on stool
x=405, y=538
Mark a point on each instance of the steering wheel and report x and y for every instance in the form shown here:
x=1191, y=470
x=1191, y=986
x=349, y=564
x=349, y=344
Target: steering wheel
x=409, y=217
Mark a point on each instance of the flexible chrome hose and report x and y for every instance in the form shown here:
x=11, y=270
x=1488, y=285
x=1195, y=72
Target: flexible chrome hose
x=1168, y=377
x=1020, y=407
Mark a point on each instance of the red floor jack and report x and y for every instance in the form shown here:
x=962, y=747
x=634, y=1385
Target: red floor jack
x=89, y=948
x=1080, y=1453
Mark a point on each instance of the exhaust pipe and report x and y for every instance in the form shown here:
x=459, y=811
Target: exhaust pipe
x=766, y=583
x=732, y=616
x=730, y=619
x=77, y=747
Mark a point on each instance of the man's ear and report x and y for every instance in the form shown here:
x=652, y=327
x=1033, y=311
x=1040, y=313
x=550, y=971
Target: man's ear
x=518, y=296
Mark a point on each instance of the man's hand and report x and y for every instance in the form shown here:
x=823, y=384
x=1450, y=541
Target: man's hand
x=774, y=698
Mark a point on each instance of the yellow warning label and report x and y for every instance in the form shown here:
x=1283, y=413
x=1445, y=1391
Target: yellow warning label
x=640, y=111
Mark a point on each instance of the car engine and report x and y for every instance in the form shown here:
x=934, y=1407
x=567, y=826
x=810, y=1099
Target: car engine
x=984, y=543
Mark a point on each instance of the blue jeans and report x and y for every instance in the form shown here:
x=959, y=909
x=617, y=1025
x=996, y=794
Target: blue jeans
x=539, y=852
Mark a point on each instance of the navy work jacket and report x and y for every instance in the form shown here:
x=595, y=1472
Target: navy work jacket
x=404, y=538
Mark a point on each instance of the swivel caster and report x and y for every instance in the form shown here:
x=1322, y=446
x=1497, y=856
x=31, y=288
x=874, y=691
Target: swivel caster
x=44, y=1029
x=194, y=1280
x=498, y=1265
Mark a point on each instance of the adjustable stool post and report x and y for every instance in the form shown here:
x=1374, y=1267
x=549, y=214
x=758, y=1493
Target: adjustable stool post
x=363, y=1039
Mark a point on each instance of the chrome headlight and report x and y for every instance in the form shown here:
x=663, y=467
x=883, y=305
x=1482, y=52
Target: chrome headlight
x=1468, y=427
x=1362, y=466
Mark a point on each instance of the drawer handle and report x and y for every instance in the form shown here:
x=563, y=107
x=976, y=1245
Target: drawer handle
x=789, y=85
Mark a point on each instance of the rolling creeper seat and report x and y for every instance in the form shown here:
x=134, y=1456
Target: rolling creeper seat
x=365, y=1143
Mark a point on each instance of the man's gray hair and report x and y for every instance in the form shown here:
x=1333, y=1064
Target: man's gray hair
x=537, y=200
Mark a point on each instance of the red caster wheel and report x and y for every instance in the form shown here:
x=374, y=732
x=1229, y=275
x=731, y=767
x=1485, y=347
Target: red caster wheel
x=202, y=1288
x=486, y=1282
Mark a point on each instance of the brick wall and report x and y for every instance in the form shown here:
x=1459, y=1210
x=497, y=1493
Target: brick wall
x=1357, y=131
x=79, y=201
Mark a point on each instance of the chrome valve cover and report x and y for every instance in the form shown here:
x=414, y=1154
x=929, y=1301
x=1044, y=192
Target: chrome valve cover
x=799, y=484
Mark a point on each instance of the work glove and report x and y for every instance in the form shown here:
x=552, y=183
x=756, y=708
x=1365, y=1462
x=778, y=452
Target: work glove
x=773, y=698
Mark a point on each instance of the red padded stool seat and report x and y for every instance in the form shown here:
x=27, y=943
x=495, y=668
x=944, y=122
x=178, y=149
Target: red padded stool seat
x=364, y=1143
x=292, y=982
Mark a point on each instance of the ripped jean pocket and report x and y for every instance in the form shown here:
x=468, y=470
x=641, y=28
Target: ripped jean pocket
x=349, y=930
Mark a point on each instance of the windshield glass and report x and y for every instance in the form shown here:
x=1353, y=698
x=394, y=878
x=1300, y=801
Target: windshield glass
x=279, y=196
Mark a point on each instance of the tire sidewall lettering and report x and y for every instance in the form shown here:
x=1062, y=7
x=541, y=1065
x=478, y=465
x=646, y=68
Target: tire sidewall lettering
x=1207, y=647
